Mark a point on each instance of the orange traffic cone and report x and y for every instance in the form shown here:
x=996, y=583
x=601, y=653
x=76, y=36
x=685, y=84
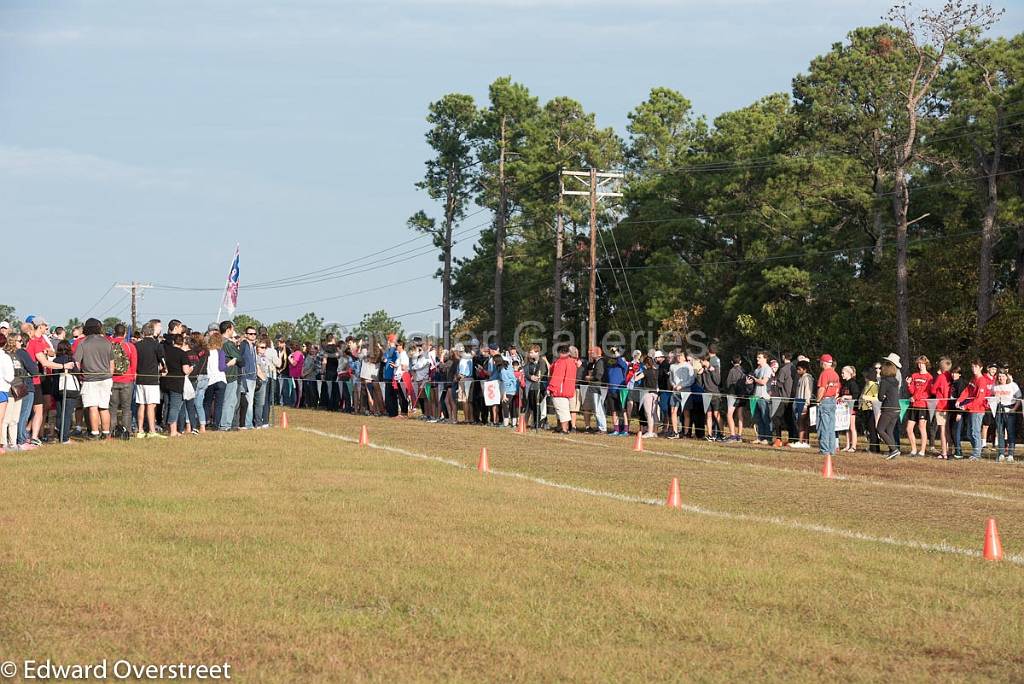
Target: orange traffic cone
x=484, y=464
x=284, y=419
x=364, y=437
x=826, y=470
x=675, y=500
x=521, y=427
x=993, y=547
x=638, y=444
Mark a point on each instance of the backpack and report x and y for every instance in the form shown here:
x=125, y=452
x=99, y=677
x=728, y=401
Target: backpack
x=122, y=364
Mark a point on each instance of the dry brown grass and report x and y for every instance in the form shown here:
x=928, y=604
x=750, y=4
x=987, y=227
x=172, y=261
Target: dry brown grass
x=291, y=556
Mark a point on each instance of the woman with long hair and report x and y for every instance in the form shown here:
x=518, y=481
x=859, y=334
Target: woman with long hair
x=216, y=364
x=199, y=357
x=889, y=416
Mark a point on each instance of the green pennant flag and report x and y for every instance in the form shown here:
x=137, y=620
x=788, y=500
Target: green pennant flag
x=904, y=405
x=426, y=390
x=623, y=393
x=753, y=405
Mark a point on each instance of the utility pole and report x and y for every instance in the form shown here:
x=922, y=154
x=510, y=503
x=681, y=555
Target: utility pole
x=134, y=287
x=597, y=185
x=499, y=241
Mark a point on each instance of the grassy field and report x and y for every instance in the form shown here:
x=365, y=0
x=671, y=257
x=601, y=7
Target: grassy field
x=297, y=554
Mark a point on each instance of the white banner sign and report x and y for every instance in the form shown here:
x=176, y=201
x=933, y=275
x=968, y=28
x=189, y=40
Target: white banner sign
x=492, y=392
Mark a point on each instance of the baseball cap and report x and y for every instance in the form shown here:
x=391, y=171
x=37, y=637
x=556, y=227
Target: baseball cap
x=826, y=358
x=992, y=364
x=5, y=325
x=36, y=321
x=213, y=327
x=492, y=346
x=659, y=354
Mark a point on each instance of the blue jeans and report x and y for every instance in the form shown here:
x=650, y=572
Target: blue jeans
x=827, y=426
x=248, y=388
x=65, y=412
x=763, y=419
x=1006, y=427
x=202, y=382
x=268, y=399
x=260, y=403
x=26, y=413
x=176, y=401
x=976, y=419
x=597, y=398
x=227, y=416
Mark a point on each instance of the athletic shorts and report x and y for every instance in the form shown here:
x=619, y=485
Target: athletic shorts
x=97, y=393
x=465, y=390
x=677, y=401
x=574, y=402
x=940, y=418
x=147, y=394
x=615, y=399
x=561, y=405
x=37, y=397
x=916, y=414
x=717, y=404
x=988, y=419
x=3, y=397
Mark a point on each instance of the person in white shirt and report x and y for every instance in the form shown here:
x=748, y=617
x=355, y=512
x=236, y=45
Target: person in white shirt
x=682, y=377
x=1007, y=398
x=6, y=378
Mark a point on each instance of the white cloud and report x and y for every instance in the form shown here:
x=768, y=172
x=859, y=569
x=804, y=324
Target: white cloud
x=53, y=163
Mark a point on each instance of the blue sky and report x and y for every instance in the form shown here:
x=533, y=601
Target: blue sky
x=142, y=140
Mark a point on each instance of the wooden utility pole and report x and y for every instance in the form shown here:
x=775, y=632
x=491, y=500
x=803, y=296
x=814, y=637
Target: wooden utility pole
x=499, y=241
x=598, y=185
x=134, y=287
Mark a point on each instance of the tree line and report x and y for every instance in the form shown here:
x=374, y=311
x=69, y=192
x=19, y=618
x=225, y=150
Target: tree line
x=878, y=205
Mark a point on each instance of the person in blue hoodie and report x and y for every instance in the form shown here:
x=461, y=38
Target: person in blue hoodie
x=615, y=379
x=387, y=375
x=509, y=391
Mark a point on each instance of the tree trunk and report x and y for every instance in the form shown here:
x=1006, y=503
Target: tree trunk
x=1020, y=242
x=446, y=277
x=901, y=204
x=499, y=241
x=876, y=219
x=988, y=230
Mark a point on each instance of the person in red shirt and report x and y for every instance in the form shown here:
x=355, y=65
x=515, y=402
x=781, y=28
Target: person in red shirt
x=42, y=352
x=974, y=401
x=562, y=386
x=941, y=388
x=919, y=386
x=828, y=390
x=123, y=386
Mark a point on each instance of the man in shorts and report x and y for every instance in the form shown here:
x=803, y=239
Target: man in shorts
x=95, y=356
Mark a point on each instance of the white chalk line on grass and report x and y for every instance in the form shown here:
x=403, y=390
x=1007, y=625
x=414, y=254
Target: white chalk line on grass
x=943, y=547
x=776, y=469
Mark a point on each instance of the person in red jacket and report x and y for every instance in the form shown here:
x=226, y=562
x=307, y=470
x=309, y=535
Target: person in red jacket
x=919, y=386
x=974, y=401
x=562, y=386
x=942, y=386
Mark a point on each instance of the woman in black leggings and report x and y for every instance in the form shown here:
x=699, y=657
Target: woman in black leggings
x=889, y=395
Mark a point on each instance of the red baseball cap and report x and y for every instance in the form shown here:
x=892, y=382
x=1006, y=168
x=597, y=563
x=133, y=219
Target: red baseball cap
x=826, y=358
